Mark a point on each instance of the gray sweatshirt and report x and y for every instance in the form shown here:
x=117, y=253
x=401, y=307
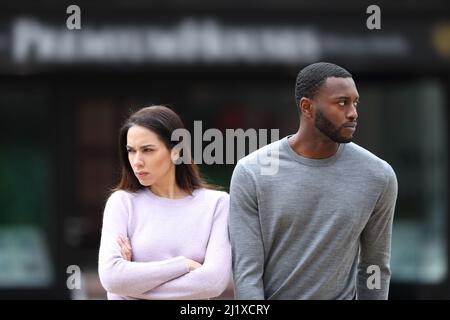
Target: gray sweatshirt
x=311, y=229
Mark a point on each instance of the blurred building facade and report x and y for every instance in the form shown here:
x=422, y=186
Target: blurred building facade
x=64, y=94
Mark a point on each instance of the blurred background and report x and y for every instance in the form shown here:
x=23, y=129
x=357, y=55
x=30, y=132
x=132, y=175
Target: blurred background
x=231, y=64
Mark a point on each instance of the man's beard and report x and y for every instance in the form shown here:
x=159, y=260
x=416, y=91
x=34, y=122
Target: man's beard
x=329, y=129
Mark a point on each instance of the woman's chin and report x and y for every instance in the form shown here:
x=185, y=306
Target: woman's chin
x=145, y=183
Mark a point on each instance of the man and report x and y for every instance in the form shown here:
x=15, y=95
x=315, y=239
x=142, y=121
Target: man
x=320, y=228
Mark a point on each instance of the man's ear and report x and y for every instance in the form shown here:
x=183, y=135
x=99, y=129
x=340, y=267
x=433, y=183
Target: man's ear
x=306, y=107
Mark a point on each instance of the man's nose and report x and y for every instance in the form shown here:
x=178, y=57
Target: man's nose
x=353, y=114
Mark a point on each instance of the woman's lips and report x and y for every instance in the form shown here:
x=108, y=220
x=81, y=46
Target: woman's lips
x=141, y=174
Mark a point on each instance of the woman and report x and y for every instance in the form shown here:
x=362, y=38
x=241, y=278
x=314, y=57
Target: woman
x=164, y=235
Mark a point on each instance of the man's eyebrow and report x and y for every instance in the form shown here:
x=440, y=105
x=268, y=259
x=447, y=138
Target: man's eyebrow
x=341, y=97
x=344, y=97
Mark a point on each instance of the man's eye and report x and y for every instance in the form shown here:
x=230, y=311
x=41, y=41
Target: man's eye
x=341, y=103
x=130, y=151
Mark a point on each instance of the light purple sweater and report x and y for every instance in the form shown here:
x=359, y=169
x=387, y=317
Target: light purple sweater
x=163, y=233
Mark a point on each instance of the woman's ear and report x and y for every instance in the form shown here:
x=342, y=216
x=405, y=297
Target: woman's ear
x=175, y=154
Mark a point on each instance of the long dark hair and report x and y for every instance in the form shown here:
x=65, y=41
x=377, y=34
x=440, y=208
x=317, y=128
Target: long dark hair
x=162, y=121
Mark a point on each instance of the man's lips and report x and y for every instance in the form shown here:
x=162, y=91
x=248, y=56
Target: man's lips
x=350, y=125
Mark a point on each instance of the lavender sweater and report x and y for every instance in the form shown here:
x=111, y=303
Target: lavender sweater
x=163, y=233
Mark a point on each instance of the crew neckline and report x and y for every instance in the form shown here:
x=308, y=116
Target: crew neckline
x=172, y=201
x=312, y=162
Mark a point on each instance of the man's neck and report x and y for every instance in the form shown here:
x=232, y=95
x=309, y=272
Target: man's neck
x=311, y=145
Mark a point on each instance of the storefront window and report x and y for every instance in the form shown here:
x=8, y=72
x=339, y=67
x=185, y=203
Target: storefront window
x=406, y=124
x=25, y=182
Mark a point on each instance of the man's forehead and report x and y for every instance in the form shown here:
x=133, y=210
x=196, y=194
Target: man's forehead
x=339, y=86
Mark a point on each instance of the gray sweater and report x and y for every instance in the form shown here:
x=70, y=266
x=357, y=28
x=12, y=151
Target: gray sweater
x=316, y=228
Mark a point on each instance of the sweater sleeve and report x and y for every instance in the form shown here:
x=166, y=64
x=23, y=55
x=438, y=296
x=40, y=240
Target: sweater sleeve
x=213, y=277
x=246, y=238
x=374, y=271
x=123, y=277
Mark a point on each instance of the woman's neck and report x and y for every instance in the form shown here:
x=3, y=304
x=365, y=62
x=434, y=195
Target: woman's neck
x=168, y=190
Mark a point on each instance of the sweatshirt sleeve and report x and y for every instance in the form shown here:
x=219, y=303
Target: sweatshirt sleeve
x=245, y=235
x=374, y=271
x=213, y=277
x=123, y=277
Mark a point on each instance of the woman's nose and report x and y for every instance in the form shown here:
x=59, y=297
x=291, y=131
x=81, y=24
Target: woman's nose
x=137, y=160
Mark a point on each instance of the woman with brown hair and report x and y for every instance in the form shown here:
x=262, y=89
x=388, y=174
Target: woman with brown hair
x=165, y=233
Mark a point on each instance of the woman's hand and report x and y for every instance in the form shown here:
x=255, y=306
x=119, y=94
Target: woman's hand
x=127, y=253
x=192, y=265
x=125, y=248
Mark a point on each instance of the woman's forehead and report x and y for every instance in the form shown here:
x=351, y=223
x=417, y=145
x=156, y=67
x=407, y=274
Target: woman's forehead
x=139, y=134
